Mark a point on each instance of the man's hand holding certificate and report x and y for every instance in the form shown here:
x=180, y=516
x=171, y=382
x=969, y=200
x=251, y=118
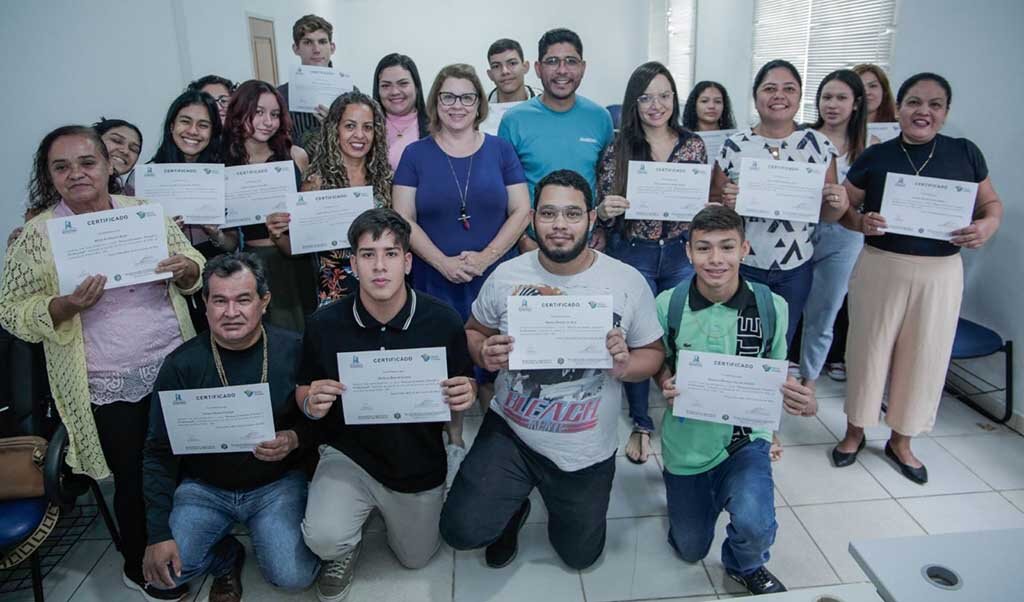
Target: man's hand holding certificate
x=195, y=191
x=730, y=389
x=320, y=219
x=667, y=191
x=312, y=86
x=788, y=190
x=927, y=207
x=219, y=420
x=396, y=386
x=253, y=191
x=126, y=245
x=565, y=332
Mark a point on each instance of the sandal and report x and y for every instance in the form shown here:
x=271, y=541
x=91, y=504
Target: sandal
x=636, y=444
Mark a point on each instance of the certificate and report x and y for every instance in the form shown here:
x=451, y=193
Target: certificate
x=312, y=86
x=320, y=219
x=730, y=389
x=667, y=191
x=195, y=191
x=391, y=387
x=713, y=142
x=788, y=190
x=495, y=111
x=883, y=130
x=218, y=421
x=253, y=191
x=927, y=207
x=125, y=245
x=562, y=332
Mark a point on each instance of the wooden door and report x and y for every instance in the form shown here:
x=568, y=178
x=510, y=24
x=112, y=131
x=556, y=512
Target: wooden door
x=264, y=49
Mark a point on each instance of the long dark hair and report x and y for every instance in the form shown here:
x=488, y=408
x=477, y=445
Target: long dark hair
x=630, y=143
x=42, y=194
x=104, y=125
x=690, y=121
x=857, y=126
x=400, y=60
x=239, y=121
x=168, y=152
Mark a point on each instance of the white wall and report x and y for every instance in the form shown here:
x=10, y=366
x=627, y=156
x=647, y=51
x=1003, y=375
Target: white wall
x=978, y=47
x=439, y=32
x=724, y=48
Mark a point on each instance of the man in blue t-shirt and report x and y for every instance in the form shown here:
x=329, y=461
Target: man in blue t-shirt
x=558, y=130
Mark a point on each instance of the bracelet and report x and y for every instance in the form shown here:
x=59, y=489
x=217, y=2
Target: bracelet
x=305, y=409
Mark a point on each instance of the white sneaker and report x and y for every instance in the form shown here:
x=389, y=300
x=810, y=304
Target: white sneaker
x=336, y=576
x=456, y=454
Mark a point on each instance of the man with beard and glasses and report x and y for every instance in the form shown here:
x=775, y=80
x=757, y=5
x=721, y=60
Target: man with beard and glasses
x=558, y=129
x=555, y=430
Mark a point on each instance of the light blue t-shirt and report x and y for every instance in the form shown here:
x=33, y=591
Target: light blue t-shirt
x=547, y=140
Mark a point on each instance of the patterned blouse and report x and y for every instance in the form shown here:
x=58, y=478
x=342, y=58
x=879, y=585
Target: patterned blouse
x=776, y=243
x=689, y=149
x=334, y=271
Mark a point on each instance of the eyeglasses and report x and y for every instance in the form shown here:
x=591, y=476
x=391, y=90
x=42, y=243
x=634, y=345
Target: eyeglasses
x=664, y=99
x=467, y=100
x=552, y=62
x=222, y=100
x=572, y=214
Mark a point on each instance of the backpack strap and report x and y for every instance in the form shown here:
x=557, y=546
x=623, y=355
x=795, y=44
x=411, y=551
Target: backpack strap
x=766, y=311
x=676, y=305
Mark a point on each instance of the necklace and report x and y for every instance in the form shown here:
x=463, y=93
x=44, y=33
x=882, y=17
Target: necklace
x=401, y=132
x=462, y=190
x=917, y=171
x=220, y=365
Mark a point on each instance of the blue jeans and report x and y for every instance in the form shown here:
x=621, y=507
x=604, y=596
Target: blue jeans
x=203, y=516
x=792, y=285
x=663, y=265
x=835, y=253
x=742, y=486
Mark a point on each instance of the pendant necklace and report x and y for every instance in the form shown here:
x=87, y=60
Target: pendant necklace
x=917, y=171
x=220, y=365
x=462, y=190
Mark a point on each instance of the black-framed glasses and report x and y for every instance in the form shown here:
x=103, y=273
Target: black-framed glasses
x=467, y=100
x=664, y=99
x=553, y=62
x=572, y=214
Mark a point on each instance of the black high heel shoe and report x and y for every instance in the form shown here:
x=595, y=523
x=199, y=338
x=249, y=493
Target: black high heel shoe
x=841, y=459
x=917, y=475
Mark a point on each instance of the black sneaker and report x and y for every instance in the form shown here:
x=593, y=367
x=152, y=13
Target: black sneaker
x=503, y=551
x=153, y=594
x=759, y=582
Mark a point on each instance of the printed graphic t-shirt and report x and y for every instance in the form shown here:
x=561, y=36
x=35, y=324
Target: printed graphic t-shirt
x=568, y=416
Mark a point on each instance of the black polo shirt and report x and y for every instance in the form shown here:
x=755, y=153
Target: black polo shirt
x=405, y=457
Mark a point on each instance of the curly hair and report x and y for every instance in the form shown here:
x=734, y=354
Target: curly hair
x=725, y=122
x=42, y=194
x=327, y=164
x=238, y=124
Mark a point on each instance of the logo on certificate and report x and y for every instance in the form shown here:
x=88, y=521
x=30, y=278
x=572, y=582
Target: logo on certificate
x=696, y=362
x=249, y=393
x=642, y=170
x=398, y=415
x=725, y=417
x=223, y=445
x=149, y=172
x=561, y=361
x=770, y=369
x=117, y=277
x=900, y=182
x=207, y=170
x=178, y=401
x=695, y=171
x=755, y=166
x=334, y=243
x=301, y=201
x=810, y=169
x=278, y=168
x=358, y=194
x=960, y=188
x=355, y=362
x=68, y=228
x=428, y=357
x=525, y=305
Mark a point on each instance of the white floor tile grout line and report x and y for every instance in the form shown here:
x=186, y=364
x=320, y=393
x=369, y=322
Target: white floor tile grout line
x=971, y=470
x=89, y=572
x=817, y=545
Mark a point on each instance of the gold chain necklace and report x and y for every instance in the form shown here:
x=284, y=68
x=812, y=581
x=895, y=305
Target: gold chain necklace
x=220, y=365
x=917, y=171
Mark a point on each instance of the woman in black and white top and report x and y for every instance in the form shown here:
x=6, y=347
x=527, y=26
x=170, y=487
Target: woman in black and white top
x=781, y=250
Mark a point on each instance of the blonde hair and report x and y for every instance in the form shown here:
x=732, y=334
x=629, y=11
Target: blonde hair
x=457, y=71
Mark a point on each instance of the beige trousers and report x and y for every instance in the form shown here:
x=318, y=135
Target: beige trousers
x=903, y=315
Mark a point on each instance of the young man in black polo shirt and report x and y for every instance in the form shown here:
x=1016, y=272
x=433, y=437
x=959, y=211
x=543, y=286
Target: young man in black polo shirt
x=397, y=468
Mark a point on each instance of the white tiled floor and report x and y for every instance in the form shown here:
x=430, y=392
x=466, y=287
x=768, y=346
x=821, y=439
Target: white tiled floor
x=976, y=475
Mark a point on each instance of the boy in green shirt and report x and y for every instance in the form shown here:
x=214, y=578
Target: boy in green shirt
x=710, y=467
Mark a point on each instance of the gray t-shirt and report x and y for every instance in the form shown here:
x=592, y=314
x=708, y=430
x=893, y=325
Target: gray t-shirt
x=567, y=416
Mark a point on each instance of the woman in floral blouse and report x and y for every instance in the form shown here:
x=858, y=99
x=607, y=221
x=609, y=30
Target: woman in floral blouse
x=650, y=131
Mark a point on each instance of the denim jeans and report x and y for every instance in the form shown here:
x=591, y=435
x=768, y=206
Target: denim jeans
x=203, y=516
x=835, y=253
x=792, y=285
x=498, y=475
x=663, y=264
x=742, y=486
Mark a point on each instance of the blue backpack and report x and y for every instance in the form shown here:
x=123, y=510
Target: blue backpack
x=765, y=310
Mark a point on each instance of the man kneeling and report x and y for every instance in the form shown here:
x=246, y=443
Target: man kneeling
x=397, y=468
x=710, y=467
x=189, y=525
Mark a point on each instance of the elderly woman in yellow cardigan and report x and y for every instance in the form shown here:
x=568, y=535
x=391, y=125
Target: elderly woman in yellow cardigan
x=103, y=347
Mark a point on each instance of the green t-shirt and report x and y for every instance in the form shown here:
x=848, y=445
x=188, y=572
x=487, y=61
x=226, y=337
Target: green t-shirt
x=694, y=446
